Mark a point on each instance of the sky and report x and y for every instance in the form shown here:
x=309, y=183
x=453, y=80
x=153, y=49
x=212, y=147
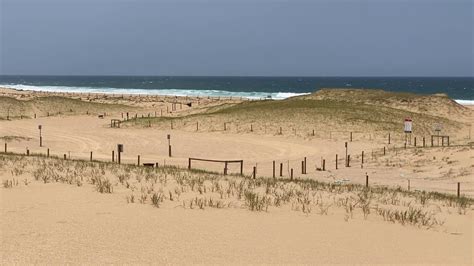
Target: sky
x=237, y=38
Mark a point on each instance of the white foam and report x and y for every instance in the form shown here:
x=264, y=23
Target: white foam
x=465, y=102
x=168, y=92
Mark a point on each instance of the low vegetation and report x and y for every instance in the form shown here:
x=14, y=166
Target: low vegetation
x=171, y=187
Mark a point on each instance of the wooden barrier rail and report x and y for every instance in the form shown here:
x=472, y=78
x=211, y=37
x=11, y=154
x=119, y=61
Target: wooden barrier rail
x=226, y=162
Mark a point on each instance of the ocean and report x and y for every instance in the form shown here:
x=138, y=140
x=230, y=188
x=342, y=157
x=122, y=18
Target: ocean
x=459, y=88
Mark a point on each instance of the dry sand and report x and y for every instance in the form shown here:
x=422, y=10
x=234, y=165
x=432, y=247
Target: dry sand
x=56, y=223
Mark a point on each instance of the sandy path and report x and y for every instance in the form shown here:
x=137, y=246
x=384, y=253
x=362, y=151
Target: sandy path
x=57, y=223
x=80, y=135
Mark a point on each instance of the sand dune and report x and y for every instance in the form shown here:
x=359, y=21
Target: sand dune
x=58, y=223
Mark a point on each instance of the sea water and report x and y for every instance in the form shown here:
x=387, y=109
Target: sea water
x=458, y=88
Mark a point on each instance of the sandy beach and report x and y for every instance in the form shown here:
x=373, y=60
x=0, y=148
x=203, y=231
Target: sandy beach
x=161, y=215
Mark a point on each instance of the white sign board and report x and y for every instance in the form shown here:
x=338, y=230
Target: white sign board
x=408, y=125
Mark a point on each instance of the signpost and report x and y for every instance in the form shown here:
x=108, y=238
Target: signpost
x=169, y=145
x=41, y=137
x=119, y=151
x=408, y=129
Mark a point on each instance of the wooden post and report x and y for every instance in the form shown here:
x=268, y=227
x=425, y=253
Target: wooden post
x=225, y=168
x=408, y=184
x=423, y=142
x=431, y=141
x=448, y=140
x=281, y=169
x=138, y=160
x=305, y=172
x=171, y=124
x=345, y=144
x=251, y=128
x=169, y=150
x=388, y=138
x=280, y=131
x=113, y=156
x=27, y=152
x=415, y=142
x=65, y=157
x=189, y=163
x=384, y=150
x=442, y=141
x=362, y=157
x=242, y=167
x=225, y=126
x=366, y=180
x=459, y=189
x=91, y=157
x=348, y=160
x=302, y=167
x=47, y=152
x=291, y=174
x=273, y=169
x=197, y=126
x=5, y=147
x=313, y=132
x=336, y=161
x=351, y=136
x=324, y=165
x=254, y=172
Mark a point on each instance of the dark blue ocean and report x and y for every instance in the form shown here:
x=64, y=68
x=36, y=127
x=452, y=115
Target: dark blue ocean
x=459, y=88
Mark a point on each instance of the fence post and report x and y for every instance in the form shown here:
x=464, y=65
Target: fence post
x=65, y=157
x=351, y=136
x=408, y=184
x=388, y=138
x=345, y=144
x=302, y=167
x=91, y=156
x=242, y=167
x=138, y=160
x=336, y=161
x=366, y=180
x=324, y=165
x=273, y=169
x=281, y=169
x=225, y=168
x=305, y=166
x=348, y=160
x=254, y=172
x=47, y=152
x=27, y=152
x=189, y=163
x=415, y=142
x=291, y=174
x=5, y=147
x=169, y=150
x=459, y=189
x=113, y=156
x=362, y=157
x=383, y=150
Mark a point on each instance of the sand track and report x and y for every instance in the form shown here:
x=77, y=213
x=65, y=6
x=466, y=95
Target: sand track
x=78, y=136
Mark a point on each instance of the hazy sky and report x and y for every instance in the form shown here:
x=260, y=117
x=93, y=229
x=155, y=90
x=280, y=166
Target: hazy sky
x=232, y=37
